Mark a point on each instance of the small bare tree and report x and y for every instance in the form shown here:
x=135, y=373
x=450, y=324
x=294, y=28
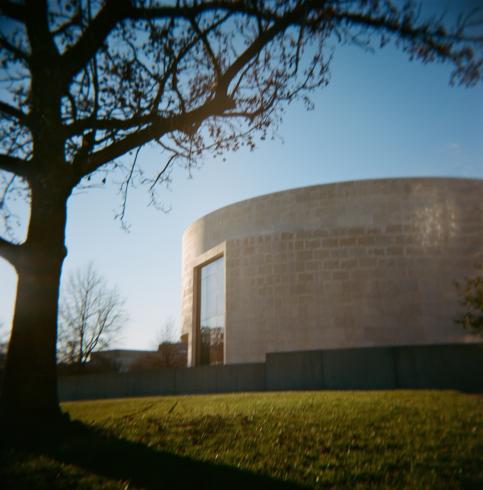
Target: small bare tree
x=166, y=333
x=168, y=355
x=91, y=316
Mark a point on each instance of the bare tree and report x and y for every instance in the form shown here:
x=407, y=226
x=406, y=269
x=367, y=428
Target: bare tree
x=166, y=333
x=84, y=82
x=168, y=354
x=91, y=316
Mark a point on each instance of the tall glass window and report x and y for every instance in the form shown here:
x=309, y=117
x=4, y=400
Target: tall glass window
x=212, y=312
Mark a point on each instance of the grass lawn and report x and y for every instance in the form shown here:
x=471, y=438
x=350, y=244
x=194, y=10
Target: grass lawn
x=393, y=439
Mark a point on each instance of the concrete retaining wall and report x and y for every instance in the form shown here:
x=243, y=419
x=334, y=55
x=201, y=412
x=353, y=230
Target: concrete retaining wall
x=179, y=381
x=452, y=366
x=449, y=366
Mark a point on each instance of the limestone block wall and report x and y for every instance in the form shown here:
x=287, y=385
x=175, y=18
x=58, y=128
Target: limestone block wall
x=366, y=263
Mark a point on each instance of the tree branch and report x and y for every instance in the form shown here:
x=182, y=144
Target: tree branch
x=16, y=51
x=10, y=251
x=125, y=186
x=76, y=57
x=291, y=18
x=15, y=165
x=13, y=10
x=74, y=21
x=158, y=126
x=161, y=126
x=115, y=11
x=9, y=110
x=91, y=123
x=209, y=50
x=42, y=46
x=405, y=31
x=188, y=12
x=79, y=126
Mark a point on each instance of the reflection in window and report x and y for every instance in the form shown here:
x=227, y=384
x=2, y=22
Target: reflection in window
x=212, y=312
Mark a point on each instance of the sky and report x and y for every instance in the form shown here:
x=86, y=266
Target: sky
x=381, y=116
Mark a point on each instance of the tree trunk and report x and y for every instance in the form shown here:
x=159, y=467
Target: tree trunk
x=30, y=382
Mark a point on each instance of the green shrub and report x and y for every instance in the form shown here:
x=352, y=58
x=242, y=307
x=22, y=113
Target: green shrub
x=471, y=298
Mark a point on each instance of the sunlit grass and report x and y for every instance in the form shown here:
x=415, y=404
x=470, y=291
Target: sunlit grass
x=397, y=439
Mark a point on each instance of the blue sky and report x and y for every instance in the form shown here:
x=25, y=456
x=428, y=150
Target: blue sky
x=381, y=116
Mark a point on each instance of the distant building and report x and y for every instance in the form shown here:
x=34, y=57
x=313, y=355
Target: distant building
x=173, y=354
x=352, y=264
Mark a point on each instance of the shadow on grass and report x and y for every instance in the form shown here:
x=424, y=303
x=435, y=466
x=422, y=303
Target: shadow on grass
x=104, y=455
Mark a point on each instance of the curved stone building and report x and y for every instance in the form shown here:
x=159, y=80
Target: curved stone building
x=366, y=263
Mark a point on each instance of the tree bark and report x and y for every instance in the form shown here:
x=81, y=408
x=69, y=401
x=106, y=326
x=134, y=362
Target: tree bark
x=30, y=380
